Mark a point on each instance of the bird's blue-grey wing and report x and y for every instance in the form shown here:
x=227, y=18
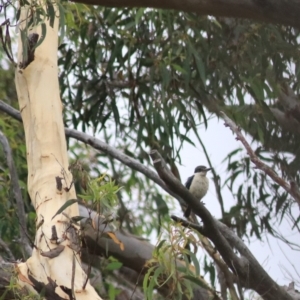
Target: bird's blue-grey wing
x=189, y=182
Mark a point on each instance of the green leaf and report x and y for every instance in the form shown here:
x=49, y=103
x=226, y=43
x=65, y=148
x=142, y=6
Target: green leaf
x=43, y=35
x=159, y=271
x=138, y=15
x=148, y=283
x=62, y=23
x=24, y=39
x=199, y=63
x=178, y=68
x=150, y=289
x=115, y=265
x=260, y=134
x=195, y=280
x=50, y=13
x=113, y=292
x=159, y=246
x=195, y=261
x=161, y=205
x=18, y=14
x=63, y=207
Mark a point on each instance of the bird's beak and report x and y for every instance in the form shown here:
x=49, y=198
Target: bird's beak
x=207, y=169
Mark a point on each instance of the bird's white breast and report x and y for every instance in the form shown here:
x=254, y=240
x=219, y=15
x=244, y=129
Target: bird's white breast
x=199, y=186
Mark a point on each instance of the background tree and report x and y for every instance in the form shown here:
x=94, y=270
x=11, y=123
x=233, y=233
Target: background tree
x=145, y=79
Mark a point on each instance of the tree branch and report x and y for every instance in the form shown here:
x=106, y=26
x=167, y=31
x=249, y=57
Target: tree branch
x=270, y=11
x=10, y=111
x=291, y=188
x=101, y=146
x=120, y=156
x=249, y=272
x=15, y=187
x=136, y=251
x=210, y=229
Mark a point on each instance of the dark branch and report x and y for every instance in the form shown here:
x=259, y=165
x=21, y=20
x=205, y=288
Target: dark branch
x=10, y=111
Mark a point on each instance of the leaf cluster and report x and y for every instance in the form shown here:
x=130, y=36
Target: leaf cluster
x=152, y=77
x=170, y=267
x=101, y=192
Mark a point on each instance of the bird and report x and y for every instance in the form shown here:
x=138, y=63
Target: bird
x=197, y=185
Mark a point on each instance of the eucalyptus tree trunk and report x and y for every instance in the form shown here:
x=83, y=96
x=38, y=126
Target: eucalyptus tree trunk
x=54, y=261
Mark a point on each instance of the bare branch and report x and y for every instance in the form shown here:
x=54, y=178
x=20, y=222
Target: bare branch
x=291, y=188
x=10, y=111
x=222, y=269
x=228, y=234
x=260, y=279
x=290, y=102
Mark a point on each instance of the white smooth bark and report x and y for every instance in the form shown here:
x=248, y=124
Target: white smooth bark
x=41, y=110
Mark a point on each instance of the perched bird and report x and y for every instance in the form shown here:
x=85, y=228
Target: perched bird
x=197, y=185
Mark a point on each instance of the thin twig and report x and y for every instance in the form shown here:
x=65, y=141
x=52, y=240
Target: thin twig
x=291, y=187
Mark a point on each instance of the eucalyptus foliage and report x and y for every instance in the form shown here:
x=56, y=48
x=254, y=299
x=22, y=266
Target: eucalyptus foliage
x=152, y=77
x=146, y=79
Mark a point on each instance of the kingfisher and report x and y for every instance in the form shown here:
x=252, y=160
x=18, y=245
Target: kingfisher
x=197, y=185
